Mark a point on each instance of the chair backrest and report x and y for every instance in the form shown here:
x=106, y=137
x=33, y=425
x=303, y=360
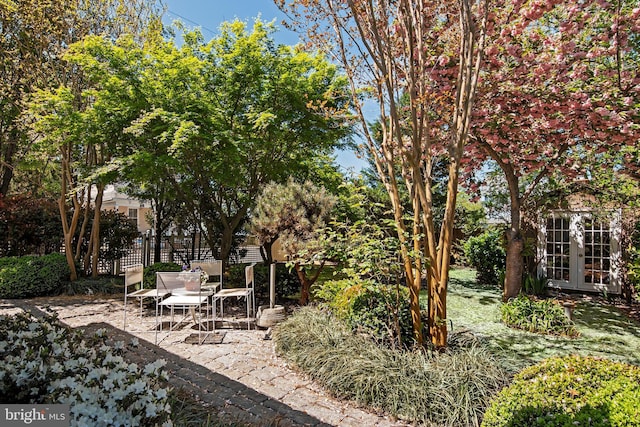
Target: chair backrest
x=133, y=275
x=212, y=268
x=167, y=281
x=248, y=276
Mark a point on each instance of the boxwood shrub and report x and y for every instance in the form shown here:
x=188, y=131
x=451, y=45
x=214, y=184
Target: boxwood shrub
x=487, y=255
x=149, y=274
x=569, y=391
x=32, y=276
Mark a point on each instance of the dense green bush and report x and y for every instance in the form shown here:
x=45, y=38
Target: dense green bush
x=542, y=316
x=32, y=276
x=452, y=388
x=380, y=310
x=569, y=391
x=29, y=225
x=487, y=255
x=287, y=282
x=149, y=275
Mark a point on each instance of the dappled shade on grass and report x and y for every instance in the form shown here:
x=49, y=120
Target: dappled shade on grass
x=604, y=330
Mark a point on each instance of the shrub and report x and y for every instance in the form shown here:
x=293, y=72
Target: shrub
x=32, y=276
x=542, y=316
x=534, y=285
x=102, y=284
x=149, y=274
x=287, y=282
x=486, y=254
x=447, y=389
x=29, y=225
x=43, y=362
x=569, y=391
x=382, y=311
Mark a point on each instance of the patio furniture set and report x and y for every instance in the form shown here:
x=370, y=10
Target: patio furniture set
x=195, y=294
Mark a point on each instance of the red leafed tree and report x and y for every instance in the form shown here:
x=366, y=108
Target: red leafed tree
x=562, y=82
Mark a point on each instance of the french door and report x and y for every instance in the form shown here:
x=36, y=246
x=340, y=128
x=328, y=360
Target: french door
x=579, y=251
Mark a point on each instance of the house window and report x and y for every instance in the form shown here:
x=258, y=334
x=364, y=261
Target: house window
x=133, y=216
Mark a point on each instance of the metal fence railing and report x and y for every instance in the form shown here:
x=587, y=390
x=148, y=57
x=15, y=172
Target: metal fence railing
x=178, y=250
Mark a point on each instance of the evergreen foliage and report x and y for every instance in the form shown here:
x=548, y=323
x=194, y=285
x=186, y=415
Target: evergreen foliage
x=569, y=391
x=486, y=254
x=33, y=276
x=451, y=388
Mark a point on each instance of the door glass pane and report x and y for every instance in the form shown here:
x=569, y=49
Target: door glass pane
x=558, y=248
x=597, y=261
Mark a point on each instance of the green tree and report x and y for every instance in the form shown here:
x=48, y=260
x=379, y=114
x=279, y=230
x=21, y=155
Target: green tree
x=430, y=52
x=33, y=37
x=74, y=128
x=216, y=121
x=294, y=214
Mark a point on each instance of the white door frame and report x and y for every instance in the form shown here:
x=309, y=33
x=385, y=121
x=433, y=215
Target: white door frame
x=567, y=270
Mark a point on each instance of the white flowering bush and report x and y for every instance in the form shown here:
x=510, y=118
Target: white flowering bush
x=44, y=362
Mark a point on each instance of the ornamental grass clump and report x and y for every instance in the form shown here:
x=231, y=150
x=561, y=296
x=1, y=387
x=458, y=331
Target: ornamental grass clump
x=570, y=391
x=540, y=316
x=445, y=389
x=44, y=362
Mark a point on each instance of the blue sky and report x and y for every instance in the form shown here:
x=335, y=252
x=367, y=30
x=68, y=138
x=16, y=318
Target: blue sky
x=209, y=14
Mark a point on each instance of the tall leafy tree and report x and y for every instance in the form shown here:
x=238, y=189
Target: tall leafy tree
x=214, y=121
x=269, y=109
x=429, y=52
x=70, y=125
x=33, y=37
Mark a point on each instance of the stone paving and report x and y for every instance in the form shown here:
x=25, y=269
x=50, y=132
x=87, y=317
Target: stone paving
x=241, y=377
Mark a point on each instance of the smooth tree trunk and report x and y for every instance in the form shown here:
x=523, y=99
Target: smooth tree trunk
x=514, y=262
x=95, y=231
x=69, y=226
x=515, y=242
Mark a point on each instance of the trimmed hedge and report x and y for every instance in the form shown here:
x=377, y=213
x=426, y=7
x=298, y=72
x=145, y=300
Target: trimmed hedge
x=569, y=391
x=33, y=276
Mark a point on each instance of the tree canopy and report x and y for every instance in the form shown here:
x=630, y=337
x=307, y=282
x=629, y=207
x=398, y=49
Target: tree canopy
x=215, y=120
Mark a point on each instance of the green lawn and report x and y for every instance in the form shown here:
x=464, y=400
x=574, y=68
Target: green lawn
x=604, y=331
